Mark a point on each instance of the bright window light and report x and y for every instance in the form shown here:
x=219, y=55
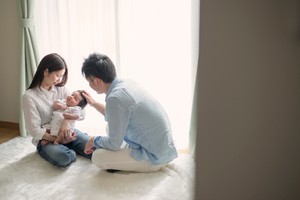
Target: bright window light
x=148, y=40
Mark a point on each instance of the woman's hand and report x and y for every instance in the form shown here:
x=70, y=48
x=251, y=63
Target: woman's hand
x=65, y=132
x=69, y=138
x=89, y=146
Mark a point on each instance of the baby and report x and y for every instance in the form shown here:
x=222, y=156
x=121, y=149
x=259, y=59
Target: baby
x=70, y=108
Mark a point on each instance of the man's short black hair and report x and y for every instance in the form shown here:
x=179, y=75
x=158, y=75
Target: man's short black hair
x=99, y=66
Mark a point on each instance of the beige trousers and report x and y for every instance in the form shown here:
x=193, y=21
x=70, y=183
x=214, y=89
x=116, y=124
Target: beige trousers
x=122, y=160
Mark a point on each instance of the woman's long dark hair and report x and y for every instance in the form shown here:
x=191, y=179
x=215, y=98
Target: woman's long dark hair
x=52, y=62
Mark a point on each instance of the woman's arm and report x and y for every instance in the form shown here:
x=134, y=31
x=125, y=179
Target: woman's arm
x=33, y=122
x=37, y=113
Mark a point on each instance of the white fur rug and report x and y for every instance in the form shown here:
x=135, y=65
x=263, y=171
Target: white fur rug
x=25, y=175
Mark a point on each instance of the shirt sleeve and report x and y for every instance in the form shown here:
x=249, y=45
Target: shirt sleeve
x=82, y=114
x=32, y=118
x=79, y=112
x=117, y=115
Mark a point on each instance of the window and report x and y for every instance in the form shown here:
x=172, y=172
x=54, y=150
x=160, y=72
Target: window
x=148, y=40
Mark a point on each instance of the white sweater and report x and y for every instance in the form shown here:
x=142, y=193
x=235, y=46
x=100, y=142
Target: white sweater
x=37, y=107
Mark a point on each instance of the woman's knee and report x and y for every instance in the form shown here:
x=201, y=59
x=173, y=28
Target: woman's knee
x=58, y=155
x=66, y=158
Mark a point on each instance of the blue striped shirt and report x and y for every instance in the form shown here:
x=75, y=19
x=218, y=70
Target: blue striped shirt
x=138, y=119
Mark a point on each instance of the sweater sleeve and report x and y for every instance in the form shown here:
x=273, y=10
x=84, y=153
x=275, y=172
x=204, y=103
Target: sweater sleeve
x=32, y=118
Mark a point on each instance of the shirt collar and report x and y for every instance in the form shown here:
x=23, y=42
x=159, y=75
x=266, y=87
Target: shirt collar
x=53, y=89
x=111, y=87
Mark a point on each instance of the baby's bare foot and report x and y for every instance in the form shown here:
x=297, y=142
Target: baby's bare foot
x=44, y=142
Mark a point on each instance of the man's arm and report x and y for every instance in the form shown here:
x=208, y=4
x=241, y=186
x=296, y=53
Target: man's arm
x=98, y=106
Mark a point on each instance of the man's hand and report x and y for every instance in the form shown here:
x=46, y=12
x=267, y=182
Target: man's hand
x=98, y=106
x=88, y=98
x=89, y=146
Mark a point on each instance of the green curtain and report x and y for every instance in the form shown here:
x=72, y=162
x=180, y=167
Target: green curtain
x=193, y=125
x=195, y=65
x=29, y=56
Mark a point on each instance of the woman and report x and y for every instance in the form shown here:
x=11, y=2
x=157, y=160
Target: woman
x=48, y=85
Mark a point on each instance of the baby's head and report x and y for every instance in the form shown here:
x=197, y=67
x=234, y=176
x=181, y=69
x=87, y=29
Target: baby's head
x=76, y=99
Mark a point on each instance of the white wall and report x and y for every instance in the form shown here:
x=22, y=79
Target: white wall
x=249, y=96
x=9, y=61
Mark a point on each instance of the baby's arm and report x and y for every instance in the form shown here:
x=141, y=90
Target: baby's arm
x=57, y=105
x=74, y=113
x=71, y=116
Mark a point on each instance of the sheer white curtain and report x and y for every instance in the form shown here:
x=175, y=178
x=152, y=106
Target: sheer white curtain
x=148, y=40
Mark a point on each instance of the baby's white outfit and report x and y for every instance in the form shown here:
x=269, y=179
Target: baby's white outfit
x=57, y=118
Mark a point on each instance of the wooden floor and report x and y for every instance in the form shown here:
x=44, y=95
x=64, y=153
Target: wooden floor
x=8, y=132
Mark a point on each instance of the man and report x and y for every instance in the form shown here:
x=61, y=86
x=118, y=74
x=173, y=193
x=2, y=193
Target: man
x=139, y=135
